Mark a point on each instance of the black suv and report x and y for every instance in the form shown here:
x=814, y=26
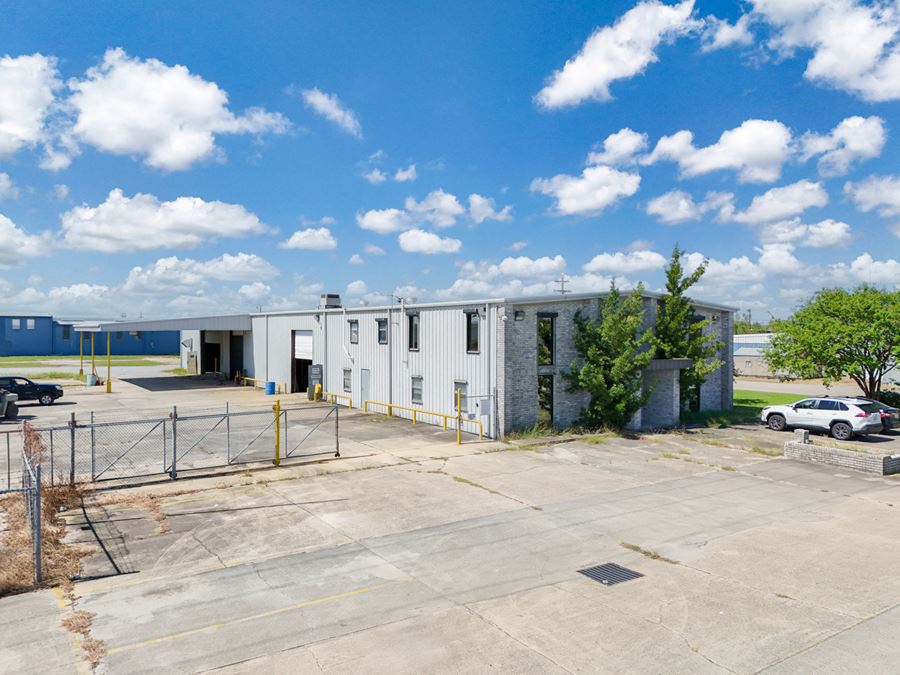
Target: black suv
x=45, y=394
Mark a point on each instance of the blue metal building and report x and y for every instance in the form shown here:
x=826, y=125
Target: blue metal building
x=34, y=335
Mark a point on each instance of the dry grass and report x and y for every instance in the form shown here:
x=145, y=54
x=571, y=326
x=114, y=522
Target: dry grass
x=59, y=561
x=653, y=555
x=79, y=622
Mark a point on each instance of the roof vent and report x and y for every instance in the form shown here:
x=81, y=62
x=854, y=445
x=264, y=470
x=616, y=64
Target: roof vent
x=329, y=301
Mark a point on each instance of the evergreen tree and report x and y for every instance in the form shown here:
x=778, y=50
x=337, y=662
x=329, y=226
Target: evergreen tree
x=614, y=352
x=681, y=334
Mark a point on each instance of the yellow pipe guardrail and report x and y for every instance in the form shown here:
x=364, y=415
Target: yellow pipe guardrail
x=419, y=411
x=327, y=394
x=279, y=389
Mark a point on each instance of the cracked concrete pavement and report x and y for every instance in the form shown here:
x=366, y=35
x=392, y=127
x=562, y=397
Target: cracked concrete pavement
x=424, y=556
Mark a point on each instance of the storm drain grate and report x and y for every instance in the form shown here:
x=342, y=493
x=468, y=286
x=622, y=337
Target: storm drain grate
x=610, y=573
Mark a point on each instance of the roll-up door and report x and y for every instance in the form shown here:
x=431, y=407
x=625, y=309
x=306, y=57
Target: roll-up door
x=303, y=344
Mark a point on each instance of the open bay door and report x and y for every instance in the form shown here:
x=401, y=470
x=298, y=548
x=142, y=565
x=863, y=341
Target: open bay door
x=303, y=357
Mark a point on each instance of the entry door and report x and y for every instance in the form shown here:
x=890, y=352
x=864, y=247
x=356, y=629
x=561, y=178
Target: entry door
x=363, y=386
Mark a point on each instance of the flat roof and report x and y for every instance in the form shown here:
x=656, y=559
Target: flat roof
x=242, y=322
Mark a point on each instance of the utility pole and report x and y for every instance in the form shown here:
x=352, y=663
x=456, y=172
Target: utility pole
x=562, y=290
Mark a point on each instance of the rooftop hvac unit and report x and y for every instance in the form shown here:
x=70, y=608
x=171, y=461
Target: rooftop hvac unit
x=330, y=301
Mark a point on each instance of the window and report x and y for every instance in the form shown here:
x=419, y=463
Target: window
x=413, y=332
x=16, y=324
x=354, y=332
x=118, y=335
x=67, y=333
x=348, y=380
x=462, y=388
x=137, y=334
x=828, y=405
x=546, y=338
x=519, y=315
x=382, y=331
x=807, y=404
x=417, y=390
x=545, y=401
x=472, y=321
x=29, y=324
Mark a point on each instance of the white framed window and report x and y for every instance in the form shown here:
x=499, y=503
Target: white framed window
x=417, y=390
x=348, y=380
x=382, y=331
x=29, y=324
x=16, y=324
x=354, y=332
x=413, y=333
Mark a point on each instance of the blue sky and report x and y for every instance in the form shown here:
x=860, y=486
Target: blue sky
x=189, y=158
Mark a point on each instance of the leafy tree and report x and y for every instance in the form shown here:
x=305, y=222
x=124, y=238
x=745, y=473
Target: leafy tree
x=743, y=323
x=614, y=351
x=839, y=333
x=681, y=334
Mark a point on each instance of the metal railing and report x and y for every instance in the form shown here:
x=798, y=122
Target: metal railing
x=417, y=412
x=94, y=451
x=31, y=493
x=333, y=397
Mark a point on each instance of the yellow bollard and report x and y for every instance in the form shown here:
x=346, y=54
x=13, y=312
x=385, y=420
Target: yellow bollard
x=459, y=417
x=108, y=364
x=277, y=409
x=414, y=416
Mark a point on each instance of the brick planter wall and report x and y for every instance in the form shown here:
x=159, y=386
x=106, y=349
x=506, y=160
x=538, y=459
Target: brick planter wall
x=883, y=465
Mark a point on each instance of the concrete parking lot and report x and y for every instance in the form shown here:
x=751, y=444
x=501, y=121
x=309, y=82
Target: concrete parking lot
x=413, y=554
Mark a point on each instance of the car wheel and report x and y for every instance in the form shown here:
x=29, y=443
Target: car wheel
x=45, y=399
x=777, y=422
x=841, y=431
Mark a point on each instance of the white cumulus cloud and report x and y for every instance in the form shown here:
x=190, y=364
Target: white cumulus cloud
x=356, y=259
x=853, y=139
x=383, y=221
x=312, y=239
x=174, y=275
x=677, y=206
x=484, y=208
x=166, y=114
x=439, y=208
x=405, y=175
x=756, y=150
x=617, y=52
x=876, y=193
x=8, y=190
x=372, y=249
x=357, y=287
x=719, y=34
x=17, y=244
x=331, y=108
x=375, y=176
x=625, y=263
x=619, y=148
x=420, y=241
x=590, y=193
x=27, y=91
x=783, y=202
x=144, y=222
x=854, y=44
x=824, y=234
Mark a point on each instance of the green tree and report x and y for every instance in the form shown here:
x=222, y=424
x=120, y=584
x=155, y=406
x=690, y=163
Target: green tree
x=614, y=351
x=682, y=334
x=839, y=333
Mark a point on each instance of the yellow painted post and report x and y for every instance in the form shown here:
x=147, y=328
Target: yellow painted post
x=414, y=415
x=390, y=408
x=80, y=353
x=108, y=364
x=458, y=416
x=277, y=409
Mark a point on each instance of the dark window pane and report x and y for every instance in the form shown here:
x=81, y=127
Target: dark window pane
x=827, y=405
x=354, y=332
x=417, y=390
x=413, y=331
x=382, y=331
x=472, y=323
x=546, y=339
x=545, y=401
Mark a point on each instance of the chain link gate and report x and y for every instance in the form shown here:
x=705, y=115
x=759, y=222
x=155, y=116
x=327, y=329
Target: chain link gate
x=95, y=451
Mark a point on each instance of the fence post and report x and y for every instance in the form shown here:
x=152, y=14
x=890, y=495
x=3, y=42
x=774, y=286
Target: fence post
x=286, y=446
x=164, y=446
x=174, y=473
x=277, y=409
x=93, y=447
x=227, y=433
x=36, y=526
x=458, y=416
x=51, y=456
x=337, y=437
x=72, y=450
x=8, y=467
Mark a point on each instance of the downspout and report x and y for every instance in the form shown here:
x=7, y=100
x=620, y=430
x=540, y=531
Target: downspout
x=489, y=333
x=267, y=347
x=390, y=355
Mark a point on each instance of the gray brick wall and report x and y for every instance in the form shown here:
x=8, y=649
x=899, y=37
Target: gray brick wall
x=662, y=409
x=883, y=465
x=716, y=392
x=518, y=369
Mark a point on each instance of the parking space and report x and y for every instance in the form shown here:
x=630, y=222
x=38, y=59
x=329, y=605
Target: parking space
x=445, y=558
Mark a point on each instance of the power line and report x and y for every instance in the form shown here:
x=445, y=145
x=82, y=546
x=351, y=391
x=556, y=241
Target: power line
x=562, y=290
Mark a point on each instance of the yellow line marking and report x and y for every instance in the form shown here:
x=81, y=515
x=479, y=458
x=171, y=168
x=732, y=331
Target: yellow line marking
x=74, y=641
x=254, y=617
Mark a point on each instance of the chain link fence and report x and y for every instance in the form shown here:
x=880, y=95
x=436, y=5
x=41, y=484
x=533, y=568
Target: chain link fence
x=88, y=451
x=31, y=493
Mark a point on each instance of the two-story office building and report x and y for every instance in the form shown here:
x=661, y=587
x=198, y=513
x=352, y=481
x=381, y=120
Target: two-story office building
x=506, y=356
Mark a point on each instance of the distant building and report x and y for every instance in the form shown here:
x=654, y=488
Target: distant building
x=42, y=335
x=748, y=354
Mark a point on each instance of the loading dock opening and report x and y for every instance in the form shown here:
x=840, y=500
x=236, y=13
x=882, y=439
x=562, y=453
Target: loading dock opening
x=302, y=356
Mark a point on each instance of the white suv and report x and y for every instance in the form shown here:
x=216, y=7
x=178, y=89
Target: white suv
x=843, y=418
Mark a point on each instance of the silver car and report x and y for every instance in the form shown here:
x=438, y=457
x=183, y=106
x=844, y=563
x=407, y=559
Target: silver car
x=843, y=418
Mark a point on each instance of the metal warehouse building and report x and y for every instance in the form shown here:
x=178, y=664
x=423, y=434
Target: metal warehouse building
x=507, y=356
